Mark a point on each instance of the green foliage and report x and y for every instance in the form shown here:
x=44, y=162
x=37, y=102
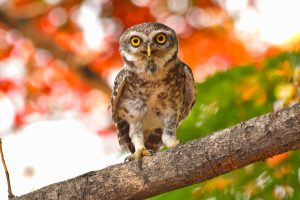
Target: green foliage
x=226, y=99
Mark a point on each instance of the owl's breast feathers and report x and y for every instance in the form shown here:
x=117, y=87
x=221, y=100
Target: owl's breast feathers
x=173, y=90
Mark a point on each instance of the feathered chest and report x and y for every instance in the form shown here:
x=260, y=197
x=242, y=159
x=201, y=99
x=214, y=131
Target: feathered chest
x=152, y=95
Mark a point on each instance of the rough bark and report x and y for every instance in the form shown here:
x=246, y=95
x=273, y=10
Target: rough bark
x=77, y=65
x=193, y=162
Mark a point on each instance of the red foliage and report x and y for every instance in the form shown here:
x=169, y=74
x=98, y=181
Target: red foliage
x=7, y=85
x=131, y=14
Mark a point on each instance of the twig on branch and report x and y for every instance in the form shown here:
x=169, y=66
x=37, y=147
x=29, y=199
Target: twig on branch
x=10, y=194
x=193, y=162
x=77, y=65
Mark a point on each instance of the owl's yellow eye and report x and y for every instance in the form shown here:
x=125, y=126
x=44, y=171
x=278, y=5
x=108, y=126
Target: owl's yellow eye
x=161, y=38
x=135, y=41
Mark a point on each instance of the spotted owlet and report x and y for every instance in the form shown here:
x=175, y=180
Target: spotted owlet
x=153, y=92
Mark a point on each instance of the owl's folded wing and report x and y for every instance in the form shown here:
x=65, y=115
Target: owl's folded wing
x=122, y=126
x=189, y=96
x=117, y=91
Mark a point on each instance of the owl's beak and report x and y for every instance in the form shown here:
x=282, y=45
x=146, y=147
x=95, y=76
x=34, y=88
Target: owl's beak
x=149, y=50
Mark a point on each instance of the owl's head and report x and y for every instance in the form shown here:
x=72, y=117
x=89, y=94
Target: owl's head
x=149, y=46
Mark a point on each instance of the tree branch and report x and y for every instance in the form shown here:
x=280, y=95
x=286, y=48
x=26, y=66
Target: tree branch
x=193, y=162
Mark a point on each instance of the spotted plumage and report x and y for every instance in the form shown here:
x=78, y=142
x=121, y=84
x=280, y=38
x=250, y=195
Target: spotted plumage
x=153, y=92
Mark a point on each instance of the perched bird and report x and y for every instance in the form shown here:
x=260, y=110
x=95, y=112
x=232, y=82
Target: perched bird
x=153, y=92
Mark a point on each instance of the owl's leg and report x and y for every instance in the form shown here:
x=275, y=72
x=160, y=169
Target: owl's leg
x=137, y=138
x=169, y=131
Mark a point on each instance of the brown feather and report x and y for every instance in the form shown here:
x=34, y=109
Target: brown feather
x=123, y=136
x=153, y=142
x=189, y=94
x=121, y=125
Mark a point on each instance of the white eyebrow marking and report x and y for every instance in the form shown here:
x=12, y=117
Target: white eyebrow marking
x=152, y=34
x=141, y=35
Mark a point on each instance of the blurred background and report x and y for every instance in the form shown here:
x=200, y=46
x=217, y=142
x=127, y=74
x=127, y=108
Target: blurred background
x=58, y=60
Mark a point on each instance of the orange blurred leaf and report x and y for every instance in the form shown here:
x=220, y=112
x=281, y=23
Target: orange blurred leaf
x=275, y=160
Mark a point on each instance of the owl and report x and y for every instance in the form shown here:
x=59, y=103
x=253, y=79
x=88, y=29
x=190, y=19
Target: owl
x=153, y=92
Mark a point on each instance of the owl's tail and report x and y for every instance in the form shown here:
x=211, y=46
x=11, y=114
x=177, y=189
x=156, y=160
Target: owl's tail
x=153, y=142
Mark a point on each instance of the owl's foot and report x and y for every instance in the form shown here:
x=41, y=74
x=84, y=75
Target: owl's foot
x=174, y=143
x=138, y=155
x=170, y=141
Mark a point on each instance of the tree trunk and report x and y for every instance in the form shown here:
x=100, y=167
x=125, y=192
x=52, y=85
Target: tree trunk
x=193, y=162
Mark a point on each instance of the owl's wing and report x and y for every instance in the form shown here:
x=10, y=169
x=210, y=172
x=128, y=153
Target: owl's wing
x=189, y=93
x=117, y=91
x=121, y=125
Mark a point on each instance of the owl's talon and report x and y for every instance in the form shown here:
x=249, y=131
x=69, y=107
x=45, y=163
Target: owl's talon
x=138, y=155
x=152, y=152
x=127, y=159
x=177, y=142
x=173, y=143
x=146, y=153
